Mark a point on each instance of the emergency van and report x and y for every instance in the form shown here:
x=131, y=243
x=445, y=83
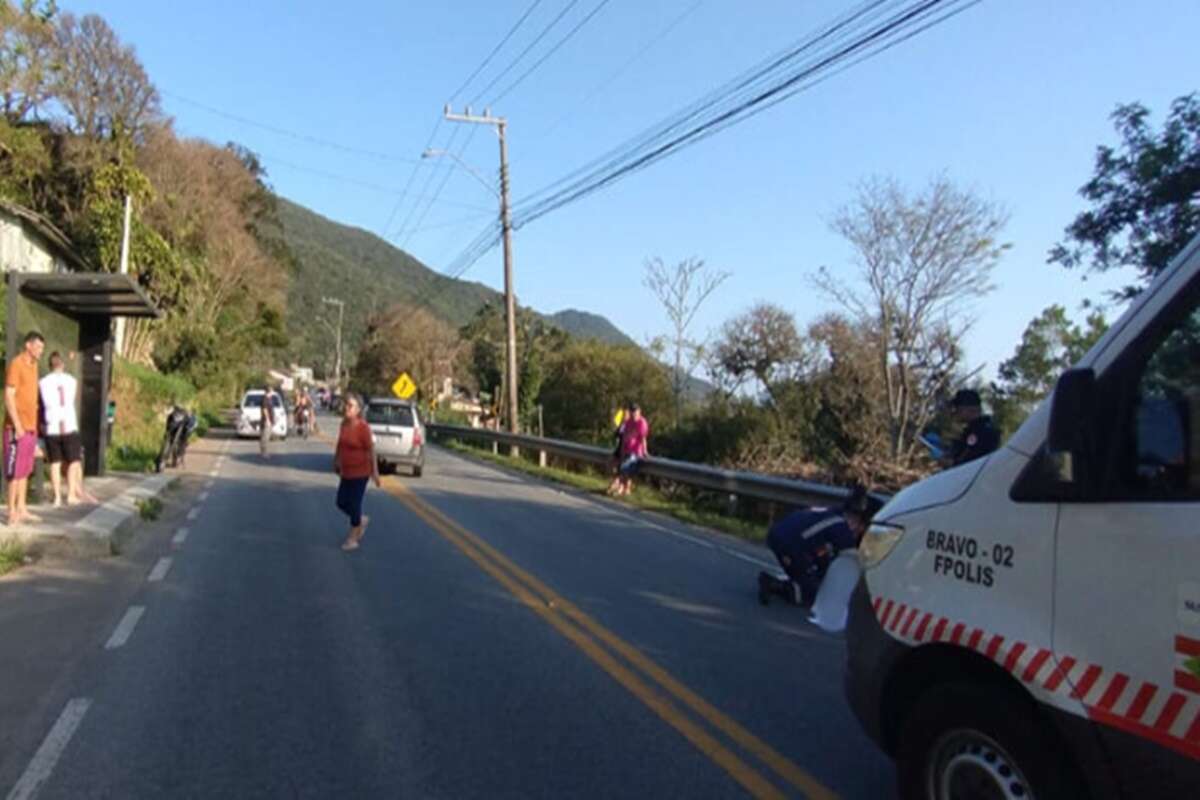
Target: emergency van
x=1027, y=625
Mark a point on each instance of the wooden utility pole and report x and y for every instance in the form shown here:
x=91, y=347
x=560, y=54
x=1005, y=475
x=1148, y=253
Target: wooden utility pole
x=510, y=303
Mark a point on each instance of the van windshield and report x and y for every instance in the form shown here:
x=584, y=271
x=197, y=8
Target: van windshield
x=387, y=414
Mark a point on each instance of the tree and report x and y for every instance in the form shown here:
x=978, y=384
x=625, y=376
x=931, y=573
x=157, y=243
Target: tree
x=760, y=344
x=681, y=290
x=100, y=82
x=1144, y=195
x=406, y=339
x=921, y=260
x=27, y=56
x=1049, y=345
x=586, y=380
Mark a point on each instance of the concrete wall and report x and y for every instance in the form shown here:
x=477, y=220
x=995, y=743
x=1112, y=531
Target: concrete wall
x=21, y=251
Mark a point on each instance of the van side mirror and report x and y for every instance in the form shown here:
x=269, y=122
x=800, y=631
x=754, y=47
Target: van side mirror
x=1071, y=412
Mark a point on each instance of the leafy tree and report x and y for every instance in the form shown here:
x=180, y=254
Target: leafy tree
x=1144, y=195
x=406, y=339
x=28, y=57
x=921, y=260
x=586, y=380
x=1050, y=344
x=681, y=290
x=761, y=344
x=100, y=82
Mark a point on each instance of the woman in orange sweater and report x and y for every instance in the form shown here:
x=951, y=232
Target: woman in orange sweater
x=354, y=462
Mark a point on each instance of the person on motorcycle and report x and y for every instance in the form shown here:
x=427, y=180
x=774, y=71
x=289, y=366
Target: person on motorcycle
x=305, y=418
x=805, y=542
x=180, y=425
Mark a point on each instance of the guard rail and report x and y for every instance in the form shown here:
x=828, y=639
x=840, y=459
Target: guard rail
x=735, y=482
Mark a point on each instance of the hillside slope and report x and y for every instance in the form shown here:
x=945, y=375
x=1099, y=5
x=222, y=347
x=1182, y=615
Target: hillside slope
x=369, y=273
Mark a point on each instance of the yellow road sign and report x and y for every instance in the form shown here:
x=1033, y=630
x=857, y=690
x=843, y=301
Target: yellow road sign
x=404, y=386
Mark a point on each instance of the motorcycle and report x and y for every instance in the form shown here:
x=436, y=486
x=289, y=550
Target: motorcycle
x=179, y=427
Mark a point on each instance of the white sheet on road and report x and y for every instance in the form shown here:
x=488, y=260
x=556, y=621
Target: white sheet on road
x=832, y=606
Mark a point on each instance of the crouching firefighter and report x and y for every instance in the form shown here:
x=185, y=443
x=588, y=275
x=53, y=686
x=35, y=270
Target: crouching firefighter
x=806, y=542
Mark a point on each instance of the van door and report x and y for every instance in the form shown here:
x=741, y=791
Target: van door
x=1127, y=591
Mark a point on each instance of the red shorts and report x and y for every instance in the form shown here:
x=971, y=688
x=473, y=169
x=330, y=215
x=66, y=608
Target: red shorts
x=18, y=454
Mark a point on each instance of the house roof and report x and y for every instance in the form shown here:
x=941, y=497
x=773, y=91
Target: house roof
x=47, y=230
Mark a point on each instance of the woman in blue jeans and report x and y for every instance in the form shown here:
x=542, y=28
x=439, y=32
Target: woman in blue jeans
x=354, y=462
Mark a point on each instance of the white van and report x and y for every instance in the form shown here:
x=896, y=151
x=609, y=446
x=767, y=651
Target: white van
x=1028, y=624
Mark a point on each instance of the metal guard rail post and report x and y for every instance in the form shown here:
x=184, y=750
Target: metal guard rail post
x=743, y=484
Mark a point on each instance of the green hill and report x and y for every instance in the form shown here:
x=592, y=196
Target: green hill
x=368, y=273
x=585, y=325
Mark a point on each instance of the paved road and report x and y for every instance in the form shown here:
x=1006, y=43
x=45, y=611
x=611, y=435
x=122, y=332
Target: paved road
x=494, y=637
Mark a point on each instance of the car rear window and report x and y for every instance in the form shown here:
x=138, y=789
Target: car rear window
x=387, y=414
x=256, y=401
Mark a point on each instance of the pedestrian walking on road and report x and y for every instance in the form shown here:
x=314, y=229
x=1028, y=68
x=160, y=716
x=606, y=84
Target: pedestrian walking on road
x=266, y=422
x=64, y=448
x=635, y=436
x=354, y=462
x=20, y=426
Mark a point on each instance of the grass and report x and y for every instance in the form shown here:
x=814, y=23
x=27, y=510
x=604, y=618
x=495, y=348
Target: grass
x=644, y=497
x=12, y=555
x=150, y=509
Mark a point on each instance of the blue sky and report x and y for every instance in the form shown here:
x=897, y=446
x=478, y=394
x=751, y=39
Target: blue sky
x=1009, y=99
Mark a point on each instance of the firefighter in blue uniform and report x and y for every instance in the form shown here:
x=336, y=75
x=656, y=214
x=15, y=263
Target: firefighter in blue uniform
x=805, y=543
x=979, y=436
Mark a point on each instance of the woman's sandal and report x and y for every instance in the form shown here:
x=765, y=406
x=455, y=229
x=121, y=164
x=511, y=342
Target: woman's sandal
x=350, y=544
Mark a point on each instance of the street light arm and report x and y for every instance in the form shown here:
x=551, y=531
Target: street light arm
x=474, y=173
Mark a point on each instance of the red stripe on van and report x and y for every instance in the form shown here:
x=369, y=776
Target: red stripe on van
x=1035, y=666
x=897, y=615
x=1141, y=701
x=973, y=642
x=1090, y=676
x=1187, y=646
x=912, y=615
x=1169, y=713
x=887, y=609
x=1113, y=693
x=1060, y=674
x=940, y=629
x=1014, y=655
x=920, y=634
x=1187, y=681
x=956, y=637
x=994, y=646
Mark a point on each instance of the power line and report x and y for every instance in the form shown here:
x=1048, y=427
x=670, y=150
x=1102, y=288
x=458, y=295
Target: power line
x=859, y=34
x=495, y=49
x=302, y=137
x=523, y=53
x=550, y=52
x=629, y=62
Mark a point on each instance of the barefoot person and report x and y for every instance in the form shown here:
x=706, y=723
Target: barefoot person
x=20, y=425
x=64, y=449
x=354, y=462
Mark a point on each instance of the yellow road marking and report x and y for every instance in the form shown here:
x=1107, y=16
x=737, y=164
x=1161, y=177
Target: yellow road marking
x=549, y=605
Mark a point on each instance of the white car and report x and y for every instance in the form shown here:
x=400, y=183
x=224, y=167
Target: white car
x=1028, y=624
x=250, y=415
x=398, y=433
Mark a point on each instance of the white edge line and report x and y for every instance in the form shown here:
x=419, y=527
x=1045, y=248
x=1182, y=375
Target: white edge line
x=160, y=570
x=203, y=496
x=41, y=766
x=749, y=559
x=180, y=536
x=195, y=512
x=125, y=627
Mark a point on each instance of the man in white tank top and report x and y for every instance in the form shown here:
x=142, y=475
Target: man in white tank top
x=63, y=443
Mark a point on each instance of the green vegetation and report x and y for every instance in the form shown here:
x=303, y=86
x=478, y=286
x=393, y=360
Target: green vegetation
x=143, y=396
x=644, y=497
x=584, y=325
x=12, y=555
x=150, y=509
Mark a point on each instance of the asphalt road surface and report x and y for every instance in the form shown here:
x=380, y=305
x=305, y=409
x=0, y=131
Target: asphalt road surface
x=494, y=637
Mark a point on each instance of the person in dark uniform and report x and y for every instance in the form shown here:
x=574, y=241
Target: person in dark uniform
x=979, y=436
x=805, y=542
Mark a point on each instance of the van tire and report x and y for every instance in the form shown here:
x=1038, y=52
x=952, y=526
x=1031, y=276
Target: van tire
x=976, y=714
x=416, y=471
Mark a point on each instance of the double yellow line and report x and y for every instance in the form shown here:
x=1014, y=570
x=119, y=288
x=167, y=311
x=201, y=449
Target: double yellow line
x=642, y=677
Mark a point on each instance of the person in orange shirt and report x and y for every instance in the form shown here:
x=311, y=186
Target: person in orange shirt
x=20, y=426
x=354, y=462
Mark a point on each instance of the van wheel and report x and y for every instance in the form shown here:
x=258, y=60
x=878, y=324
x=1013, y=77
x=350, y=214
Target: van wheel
x=417, y=471
x=964, y=742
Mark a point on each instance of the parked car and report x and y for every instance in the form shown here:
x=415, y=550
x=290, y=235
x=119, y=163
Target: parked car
x=250, y=415
x=398, y=433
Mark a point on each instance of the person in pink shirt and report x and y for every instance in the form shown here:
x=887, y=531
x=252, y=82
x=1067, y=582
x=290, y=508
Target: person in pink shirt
x=635, y=436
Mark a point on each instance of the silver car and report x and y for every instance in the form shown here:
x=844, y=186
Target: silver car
x=398, y=433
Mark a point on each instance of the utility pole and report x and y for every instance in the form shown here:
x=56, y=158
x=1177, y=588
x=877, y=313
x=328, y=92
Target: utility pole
x=124, y=269
x=510, y=304
x=341, y=307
